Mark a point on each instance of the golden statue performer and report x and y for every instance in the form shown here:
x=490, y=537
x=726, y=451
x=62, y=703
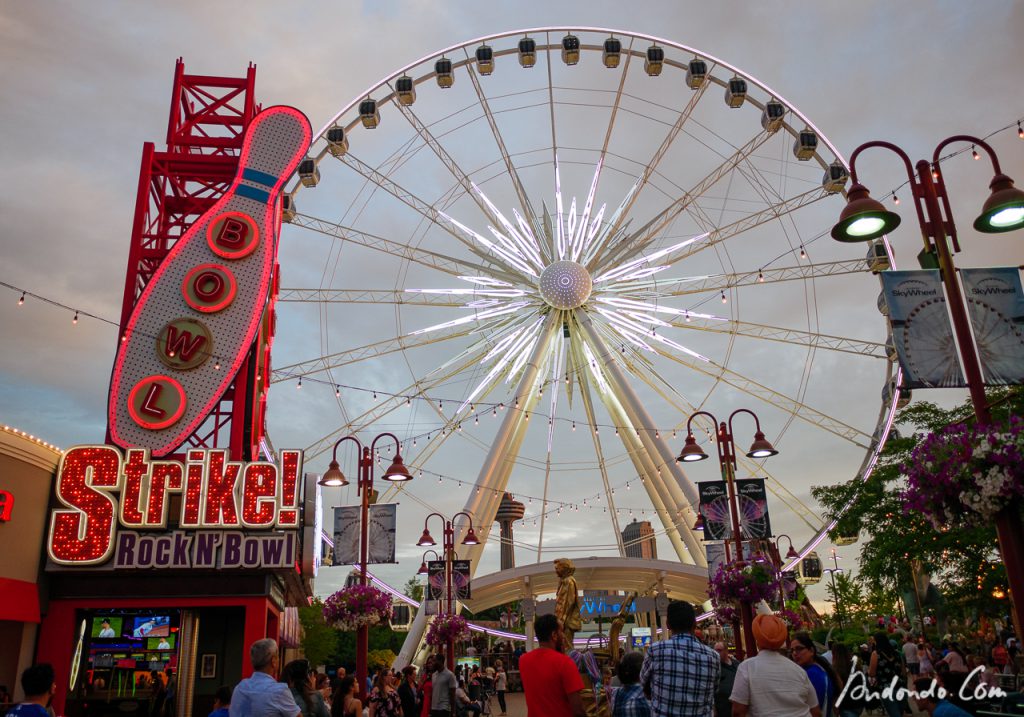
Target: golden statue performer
x=567, y=601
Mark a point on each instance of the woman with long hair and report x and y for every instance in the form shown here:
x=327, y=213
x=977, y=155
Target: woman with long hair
x=384, y=700
x=826, y=685
x=345, y=703
x=886, y=670
x=300, y=678
x=846, y=671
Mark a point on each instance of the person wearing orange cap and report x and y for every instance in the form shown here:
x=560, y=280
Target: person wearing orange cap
x=770, y=684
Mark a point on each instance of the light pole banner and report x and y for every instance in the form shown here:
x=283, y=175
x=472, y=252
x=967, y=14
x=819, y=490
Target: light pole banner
x=380, y=534
x=460, y=580
x=921, y=330
x=714, y=507
x=436, y=580
x=995, y=304
x=753, y=509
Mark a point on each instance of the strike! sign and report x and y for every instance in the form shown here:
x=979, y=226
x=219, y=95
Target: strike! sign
x=232, y=514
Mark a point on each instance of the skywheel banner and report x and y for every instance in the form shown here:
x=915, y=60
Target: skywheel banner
x=921, y=330
x=995, y=304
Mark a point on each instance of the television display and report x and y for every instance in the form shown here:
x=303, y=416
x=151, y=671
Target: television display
x=106, y=627
x=152, y=626
x=160, y=643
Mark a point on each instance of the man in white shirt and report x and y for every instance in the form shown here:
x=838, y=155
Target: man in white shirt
x=770, y=684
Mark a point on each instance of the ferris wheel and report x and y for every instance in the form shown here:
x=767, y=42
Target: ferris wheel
x=535, y=254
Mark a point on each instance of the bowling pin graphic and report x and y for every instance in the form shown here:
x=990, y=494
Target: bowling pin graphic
x=198, y=316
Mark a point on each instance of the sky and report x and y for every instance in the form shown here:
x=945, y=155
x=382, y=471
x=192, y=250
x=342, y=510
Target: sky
x=85, y=85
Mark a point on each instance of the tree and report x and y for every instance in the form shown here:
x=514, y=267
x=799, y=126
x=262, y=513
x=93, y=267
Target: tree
x=894, y=538
x=319, y=640
x=414, y=589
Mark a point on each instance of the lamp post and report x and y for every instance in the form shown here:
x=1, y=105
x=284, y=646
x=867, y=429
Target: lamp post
x=865, y=219
x=448, y=554
x=396, y=473
x=835, y=595
x=760, y=448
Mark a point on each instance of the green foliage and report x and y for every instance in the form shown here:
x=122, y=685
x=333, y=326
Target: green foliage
x=379, y=658
x=319, y=640
x=893, y=539
x=380, y=638
x=414, y=589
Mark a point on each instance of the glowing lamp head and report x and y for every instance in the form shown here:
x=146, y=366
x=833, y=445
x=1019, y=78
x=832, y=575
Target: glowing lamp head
x=333, y=478
x=425, y=539
x=423, y=568
x=1003, y=211
x=565, y=285
x=863, y=218
x=691, y=452
x=698, y=525
x=761, y=448
x=470, y=538
x=397, y=473
x=791, y=554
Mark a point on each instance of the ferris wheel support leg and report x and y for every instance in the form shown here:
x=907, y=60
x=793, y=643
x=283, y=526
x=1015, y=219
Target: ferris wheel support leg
x=663, y=505
x=413, y=638
x=493, y=477
x=682, y=492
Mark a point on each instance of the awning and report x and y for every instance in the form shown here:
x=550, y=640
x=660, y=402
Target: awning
x=20, y=600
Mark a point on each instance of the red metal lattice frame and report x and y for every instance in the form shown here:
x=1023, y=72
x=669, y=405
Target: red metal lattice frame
x=205, y=130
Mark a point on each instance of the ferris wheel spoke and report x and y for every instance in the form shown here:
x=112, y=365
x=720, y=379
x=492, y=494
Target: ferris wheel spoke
x=372, y=351
x=371, y=296
x=643, y=237
x=430, y=259
x=517, y=184
x=386, y=406
x=586, y=396
x=774, y=398
x=829, y=342
x=448, y=161
x=421, y=206
x=720, y=282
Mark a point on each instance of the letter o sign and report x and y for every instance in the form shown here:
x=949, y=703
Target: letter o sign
x=209, y=288
x=233, y=235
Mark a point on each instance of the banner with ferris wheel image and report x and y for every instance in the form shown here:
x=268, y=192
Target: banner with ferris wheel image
x=995, y=304
x=921, y=329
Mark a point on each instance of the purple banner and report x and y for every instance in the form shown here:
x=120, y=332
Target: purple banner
x=714, y=507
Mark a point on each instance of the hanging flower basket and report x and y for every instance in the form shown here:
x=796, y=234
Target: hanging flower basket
x=445, y=628
x=963, y=473
x=356, y=606
x=791, y=618
x=733, y=584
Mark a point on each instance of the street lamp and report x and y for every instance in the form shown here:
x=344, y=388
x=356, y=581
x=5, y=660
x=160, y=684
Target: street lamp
x=864, y=219
x=396, y=473
x=448, y=554
x=760, y=448
x=835, y=595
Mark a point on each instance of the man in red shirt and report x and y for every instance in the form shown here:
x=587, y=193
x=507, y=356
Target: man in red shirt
x=550, y=679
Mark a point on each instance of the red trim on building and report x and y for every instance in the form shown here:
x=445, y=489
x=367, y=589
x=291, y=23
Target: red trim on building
x=20, y=602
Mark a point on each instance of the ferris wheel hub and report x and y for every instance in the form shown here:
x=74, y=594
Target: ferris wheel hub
x=565, y=285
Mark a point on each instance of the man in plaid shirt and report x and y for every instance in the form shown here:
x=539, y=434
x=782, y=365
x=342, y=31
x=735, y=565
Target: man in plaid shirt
x=681, y=674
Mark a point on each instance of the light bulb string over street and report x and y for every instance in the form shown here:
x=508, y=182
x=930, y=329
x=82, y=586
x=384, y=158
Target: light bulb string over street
x=864, y=219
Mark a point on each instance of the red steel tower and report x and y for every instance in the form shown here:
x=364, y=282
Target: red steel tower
x=208, y=119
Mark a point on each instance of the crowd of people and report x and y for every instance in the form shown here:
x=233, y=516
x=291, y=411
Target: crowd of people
x=678, y=677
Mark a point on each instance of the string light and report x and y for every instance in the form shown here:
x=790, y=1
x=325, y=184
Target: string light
x=803, y=254
x=75, y=320
x=124, y=337
x=1020, y=130
x=974, y=153
x=374, y=395
x=895, y=199
x=724, y=300
x=299, y=385
x=337, y=390
x=760, y=276
x=935, y=172
x=21, y=301
x=574, y=425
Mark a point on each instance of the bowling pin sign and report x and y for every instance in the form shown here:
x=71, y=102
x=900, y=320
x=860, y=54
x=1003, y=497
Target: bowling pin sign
x=197, y=318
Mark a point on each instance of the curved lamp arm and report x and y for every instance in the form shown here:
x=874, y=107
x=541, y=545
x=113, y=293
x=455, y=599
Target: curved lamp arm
x=906, y=163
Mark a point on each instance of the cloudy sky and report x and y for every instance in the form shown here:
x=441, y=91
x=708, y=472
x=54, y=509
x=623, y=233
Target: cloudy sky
x=85, y=85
